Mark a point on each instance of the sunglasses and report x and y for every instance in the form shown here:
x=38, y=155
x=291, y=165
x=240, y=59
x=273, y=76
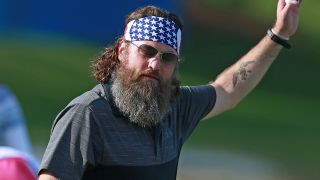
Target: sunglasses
x=150, y=52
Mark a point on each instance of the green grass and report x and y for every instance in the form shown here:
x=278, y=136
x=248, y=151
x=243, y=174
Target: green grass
x=45, y=73
x=273, y=125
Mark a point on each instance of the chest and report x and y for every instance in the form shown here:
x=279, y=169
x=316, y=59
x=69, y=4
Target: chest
x=126, y=143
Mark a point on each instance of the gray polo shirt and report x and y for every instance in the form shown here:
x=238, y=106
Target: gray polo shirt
x=91, y=139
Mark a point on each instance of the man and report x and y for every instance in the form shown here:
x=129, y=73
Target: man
x=133, y=124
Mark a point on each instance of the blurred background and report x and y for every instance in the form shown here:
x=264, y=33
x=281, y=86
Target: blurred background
x=45, y=53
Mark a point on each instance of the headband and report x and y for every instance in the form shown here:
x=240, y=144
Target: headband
x=156, y=29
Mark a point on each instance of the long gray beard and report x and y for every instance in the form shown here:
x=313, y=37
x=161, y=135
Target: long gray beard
x=142, y=102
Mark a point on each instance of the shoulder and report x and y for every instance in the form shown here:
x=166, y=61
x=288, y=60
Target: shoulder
x=196, y=99
x=83, y=107
x=90, y=98
x=5, y=94
x=197, y=88
x=94, y=100
x=4, y=90
x=202, y=90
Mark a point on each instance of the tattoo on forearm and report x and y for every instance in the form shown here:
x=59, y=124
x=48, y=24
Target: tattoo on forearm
x=242, y=72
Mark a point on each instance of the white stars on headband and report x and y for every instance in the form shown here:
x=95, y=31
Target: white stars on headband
x=154, y=28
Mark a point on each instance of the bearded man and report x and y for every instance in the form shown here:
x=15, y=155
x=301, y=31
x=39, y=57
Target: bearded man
x=133, y=124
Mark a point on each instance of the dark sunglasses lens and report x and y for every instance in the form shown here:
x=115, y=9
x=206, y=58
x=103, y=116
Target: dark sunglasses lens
x=169, y=58
x=148, y=51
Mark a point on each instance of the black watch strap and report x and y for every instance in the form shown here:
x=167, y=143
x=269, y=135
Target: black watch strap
x=278, y=39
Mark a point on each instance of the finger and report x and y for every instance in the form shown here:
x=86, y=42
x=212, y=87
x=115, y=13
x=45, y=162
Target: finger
x=300, y=1
x=281, y=4
x=294, y=5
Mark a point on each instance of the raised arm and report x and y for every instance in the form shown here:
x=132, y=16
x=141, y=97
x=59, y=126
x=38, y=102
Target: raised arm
x=234, y=83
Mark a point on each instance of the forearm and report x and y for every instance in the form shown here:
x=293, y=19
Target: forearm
x=238, y=80
x=233, y=84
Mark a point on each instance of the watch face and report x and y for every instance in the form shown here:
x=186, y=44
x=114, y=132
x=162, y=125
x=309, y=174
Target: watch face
x=270, y=33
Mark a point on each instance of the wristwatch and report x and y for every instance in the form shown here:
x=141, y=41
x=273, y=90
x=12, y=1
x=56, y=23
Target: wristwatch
x=278, y=39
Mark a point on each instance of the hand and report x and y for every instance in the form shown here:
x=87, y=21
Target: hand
x=287, y=18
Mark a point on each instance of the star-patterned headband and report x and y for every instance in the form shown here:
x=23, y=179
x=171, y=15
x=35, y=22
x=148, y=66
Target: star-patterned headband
x=152, y=28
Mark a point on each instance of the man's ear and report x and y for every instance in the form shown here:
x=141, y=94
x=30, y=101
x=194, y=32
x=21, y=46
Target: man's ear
x=122, y=50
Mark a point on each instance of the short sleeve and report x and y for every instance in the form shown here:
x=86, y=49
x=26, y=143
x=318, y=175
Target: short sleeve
x=195, y=102
x=72, y=144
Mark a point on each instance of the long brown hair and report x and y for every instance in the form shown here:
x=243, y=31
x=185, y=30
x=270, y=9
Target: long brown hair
x=103, y=67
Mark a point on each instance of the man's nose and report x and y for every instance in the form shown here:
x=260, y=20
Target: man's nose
x=155, y=62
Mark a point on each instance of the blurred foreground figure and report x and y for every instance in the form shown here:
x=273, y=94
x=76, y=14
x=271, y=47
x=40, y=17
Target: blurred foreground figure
x=13, y=131
x=16, y=160
x=134, y=123
x=17, y=165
